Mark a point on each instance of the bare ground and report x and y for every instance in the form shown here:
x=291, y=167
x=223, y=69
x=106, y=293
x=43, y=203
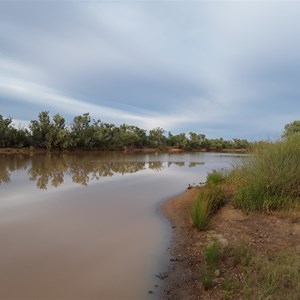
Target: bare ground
x=260, y=232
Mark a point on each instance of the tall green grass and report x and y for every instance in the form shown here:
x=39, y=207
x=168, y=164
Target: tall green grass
x=216, y=176
x=270, y=179
x=208, y=202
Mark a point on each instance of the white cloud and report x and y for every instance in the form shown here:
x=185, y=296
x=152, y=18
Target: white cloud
x=39, y=95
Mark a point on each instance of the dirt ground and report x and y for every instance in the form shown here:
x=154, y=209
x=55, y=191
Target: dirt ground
x=265, y=233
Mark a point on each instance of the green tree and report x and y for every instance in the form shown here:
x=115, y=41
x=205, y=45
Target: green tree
x=58, y=137
x=180, y=140
x=157, y=138
x=291, y=129
x=81, y=131
x=197, y=141
x=6, y=132
x=39, y=129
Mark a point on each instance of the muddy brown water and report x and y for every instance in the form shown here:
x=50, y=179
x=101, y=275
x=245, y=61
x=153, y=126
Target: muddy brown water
x=87, y=226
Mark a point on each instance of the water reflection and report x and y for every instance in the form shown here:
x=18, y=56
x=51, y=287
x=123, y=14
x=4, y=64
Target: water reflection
x=51, y=169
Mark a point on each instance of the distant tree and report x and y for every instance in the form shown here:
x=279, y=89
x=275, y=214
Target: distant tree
x=58, y=137
x=6, y=132
x=197, y=141
x=157, y=138
x=39, y=129
x=180, y=140
x=291, y=129
x=81, y=131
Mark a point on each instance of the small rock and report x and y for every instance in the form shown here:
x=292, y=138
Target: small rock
x=150, y=292
x=217, y=273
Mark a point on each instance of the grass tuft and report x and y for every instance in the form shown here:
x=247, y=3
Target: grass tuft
x=213, y=253
x=216, y=177
x=208, y=202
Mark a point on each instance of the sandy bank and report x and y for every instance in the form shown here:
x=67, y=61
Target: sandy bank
x=263, y=234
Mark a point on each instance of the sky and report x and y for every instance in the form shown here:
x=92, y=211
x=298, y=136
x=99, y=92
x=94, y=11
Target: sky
x=223, y=69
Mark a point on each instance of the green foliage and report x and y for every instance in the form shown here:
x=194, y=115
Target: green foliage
x=270, y=179
x=85, y=133
x=201, y=212
x=157, y=138
x=291, y=129
x=213, y=253
x=216, y=177
x=208, y=202
x=207, y=277
x=241, y=255
x=274, y=277
x=10, y=136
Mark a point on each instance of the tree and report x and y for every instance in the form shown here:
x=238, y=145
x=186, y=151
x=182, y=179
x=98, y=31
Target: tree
x=39, y=129
x=58, y=135
x=156, y=137
x=6, y=132
x=82, y=132
x=291, y=129
x=197, y=141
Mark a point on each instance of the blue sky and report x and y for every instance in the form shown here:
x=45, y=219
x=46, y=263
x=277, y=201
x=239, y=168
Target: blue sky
x=225, y=69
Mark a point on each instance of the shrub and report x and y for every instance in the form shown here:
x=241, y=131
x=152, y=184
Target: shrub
x=270, y=179
x=216, y=177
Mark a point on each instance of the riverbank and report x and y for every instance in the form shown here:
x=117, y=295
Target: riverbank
x=260, y=254
x=32, y=150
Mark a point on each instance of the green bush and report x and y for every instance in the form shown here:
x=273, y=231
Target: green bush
x=270, y=179
x=216, y=177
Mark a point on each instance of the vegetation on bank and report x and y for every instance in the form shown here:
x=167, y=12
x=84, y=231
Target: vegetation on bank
x=270, y=180
x=267, y=181
x=88, y=134
x=244, y=273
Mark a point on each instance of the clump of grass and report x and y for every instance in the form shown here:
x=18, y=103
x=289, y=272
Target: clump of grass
x=270, y=180
x=201, y=212
x=216, y=177
x=241, y=255
x=208, y=202
x=213, y=253
x=275, y=277
x=207, y=279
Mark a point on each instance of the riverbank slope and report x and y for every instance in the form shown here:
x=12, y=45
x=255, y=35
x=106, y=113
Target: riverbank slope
x=262, y=238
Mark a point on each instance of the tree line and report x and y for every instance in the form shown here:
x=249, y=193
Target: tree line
x=86, y=133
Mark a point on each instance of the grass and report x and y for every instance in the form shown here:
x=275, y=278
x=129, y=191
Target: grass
x=216, y=177
x=201, y=212
x=270, y=180
x=208, y=202
x=241, y=255
x=207, y=278
x=249, y=274
x=213, y=253
x=275, y=276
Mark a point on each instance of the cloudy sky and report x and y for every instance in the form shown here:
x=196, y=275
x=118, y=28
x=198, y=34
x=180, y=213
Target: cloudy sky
x=225, y=69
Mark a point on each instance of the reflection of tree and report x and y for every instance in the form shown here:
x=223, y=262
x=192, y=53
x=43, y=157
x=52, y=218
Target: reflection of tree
x=194, y=164
x=155, y=165
x=11, y=163
x=4, y=176
x=50, y=169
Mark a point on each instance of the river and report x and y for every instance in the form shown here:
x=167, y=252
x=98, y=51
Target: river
x=87, y=225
